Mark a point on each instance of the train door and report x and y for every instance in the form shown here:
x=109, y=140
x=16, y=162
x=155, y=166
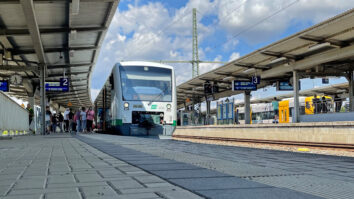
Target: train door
x=309, y=108
x=284, y=111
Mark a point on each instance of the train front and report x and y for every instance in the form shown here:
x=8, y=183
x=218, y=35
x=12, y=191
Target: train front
x=147, y=99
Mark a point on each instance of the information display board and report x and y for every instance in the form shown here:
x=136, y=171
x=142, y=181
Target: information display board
x=61, y=86
x=230, y=114
x=220, y=112
x=224, y=111
x=243, y=86
x=286, y=86
x=4, y=85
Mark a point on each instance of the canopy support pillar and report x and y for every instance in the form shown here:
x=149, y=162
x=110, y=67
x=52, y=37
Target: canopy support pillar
x=247, y=96
x=296, y=84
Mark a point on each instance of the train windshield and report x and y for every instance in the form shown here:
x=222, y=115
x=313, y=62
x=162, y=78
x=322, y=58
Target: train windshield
x=145, y=83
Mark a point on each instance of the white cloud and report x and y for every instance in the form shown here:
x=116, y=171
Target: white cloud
x=234, y=55
x=236, y=16
x=205, y=67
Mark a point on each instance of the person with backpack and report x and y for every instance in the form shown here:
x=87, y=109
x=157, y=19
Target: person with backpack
x=90, y=117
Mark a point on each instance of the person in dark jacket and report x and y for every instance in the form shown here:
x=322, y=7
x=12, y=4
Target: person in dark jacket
x=316, y=104
x=324, y=105
x=60, y=121
x=338, y=102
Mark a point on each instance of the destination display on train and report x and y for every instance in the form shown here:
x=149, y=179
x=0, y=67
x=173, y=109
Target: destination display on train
x=243, y=86
x=4, y=85
x=61, y=86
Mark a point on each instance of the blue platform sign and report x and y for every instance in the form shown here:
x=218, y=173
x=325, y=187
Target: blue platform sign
x=4, y=85
x=61, y=86
x=243, y=86
x=256, y=79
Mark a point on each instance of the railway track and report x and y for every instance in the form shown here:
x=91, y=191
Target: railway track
x=277, y=142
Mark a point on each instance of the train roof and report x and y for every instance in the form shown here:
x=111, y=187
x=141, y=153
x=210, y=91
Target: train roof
x=144, y=63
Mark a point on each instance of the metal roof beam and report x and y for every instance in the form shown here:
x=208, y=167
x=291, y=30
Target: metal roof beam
x=315, y=60
x=51, y=50
x=28, y=9
x=214, y=80
x=279, y=54
x=24, y=32
x=59, y=66
x=323, y=40
x=19, y=68
x=250, y=66
x=68, y=74
x=232, y=75
x=67, y=94
x=51, y=1
x=53, y=95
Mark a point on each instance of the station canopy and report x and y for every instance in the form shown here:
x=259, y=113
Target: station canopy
x=63, y=35
x=323, y=50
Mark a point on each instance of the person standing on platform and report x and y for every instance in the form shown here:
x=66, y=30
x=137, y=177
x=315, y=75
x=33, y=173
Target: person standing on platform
x=338, y=102
x=48, y=119
x=54, y=122
x=317, y=104
x=78, y=122
x=275, y=105
x=60, y=121
x=83, y=119
x=71, y=121
x=30, y=113
x=66, y=120
x=324, y=105
x=90, y=116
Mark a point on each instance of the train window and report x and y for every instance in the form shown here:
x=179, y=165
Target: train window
x=143, y=83
x=308, y=106
x=302, y=110
x=241, y=116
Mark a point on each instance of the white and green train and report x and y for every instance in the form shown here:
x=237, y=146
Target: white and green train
x=143, y=98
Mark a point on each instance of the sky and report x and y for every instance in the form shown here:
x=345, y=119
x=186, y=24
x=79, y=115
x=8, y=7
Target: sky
x=227, y=29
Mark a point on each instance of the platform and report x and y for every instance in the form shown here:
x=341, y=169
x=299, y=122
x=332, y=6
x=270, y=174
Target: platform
x=335, y=133
x=61, y=166
x=108, y=166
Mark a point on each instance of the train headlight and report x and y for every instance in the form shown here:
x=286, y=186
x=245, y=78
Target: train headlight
x=168, y=106
x=161, y=115
x=126, y=106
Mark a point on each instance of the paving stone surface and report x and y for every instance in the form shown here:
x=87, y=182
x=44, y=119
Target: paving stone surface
x=318, y=175
x=61, y=166
x=203, y=186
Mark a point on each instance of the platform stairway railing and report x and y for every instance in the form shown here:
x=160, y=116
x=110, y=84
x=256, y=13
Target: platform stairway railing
x=14, y=120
